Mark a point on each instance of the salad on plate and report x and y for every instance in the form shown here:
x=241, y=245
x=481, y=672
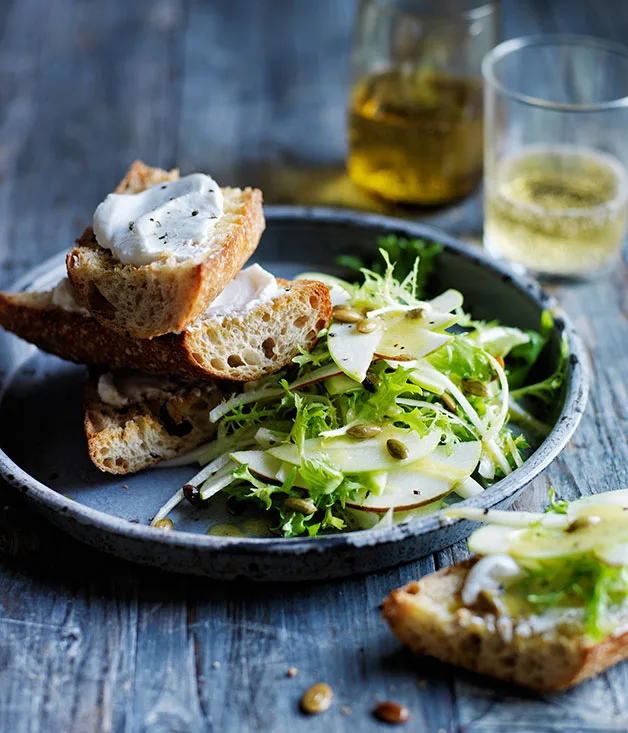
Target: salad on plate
x=404, y=403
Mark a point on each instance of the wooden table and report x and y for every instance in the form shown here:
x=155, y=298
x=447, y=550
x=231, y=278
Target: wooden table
x=254, y=92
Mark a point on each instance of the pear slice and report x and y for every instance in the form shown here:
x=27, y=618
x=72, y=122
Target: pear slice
x=606, y=498
x=404, y=339
x=369, y=519
x=455, y=466
x=541, y=543
x=468, y=488
x=351, y=350
x=341, y=384
x=435, y=320
x=339, y=290
x=493, y=539
x=447, y=301
x=318, y=375
x=614, y=555
x=362, y=456
x=266, y=466
x=405, y=489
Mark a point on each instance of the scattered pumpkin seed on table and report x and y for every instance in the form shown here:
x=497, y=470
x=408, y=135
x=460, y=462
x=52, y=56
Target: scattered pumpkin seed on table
x=317, y=699
x=392, y=712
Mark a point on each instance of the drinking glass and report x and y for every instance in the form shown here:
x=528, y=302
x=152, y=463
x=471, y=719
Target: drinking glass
x=556, y=151
x=415, y=109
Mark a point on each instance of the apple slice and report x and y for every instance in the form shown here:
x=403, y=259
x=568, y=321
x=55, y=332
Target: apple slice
x=351, y=350
x=362, y=456
x=405, y=490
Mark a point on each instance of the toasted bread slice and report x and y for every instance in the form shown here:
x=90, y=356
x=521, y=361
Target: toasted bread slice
x=241, y=347
x=430, y=617
x=169, y=419
x=167, y=295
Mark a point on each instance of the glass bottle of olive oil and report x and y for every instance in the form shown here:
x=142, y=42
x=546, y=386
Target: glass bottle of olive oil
x=557, y=209
x=415, y=135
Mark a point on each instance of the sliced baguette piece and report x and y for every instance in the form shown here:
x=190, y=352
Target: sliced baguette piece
x=240, y=347
x=166, y=295
x=428, y=615
x=170, y=420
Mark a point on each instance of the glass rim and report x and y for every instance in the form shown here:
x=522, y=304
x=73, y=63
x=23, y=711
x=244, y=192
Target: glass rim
x=481, y=10
x=546, y=39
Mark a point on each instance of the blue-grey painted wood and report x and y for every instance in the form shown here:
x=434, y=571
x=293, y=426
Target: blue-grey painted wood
x=256, y=90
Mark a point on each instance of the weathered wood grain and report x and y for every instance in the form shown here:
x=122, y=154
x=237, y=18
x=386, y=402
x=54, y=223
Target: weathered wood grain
x=254, y=91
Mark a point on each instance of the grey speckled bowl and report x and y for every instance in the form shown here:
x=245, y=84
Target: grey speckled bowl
x=43, y=449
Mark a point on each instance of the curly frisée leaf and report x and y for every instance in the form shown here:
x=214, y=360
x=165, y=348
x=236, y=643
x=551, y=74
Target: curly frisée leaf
x=320, y=475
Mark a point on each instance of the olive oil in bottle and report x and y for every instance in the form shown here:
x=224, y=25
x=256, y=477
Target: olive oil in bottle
x=415, y=135
x=557, y=210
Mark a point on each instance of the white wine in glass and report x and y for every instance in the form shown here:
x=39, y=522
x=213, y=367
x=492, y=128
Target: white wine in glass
x=555, y=154
x=560, y=210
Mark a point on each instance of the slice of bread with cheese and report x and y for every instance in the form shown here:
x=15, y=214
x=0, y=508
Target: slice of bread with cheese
x=429, y=616
x=543, y=604
x=169, y=293
x=133, y=420
x=240, y=342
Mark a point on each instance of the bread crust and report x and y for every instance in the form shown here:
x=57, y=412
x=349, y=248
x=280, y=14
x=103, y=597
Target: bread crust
x=194, y=354
x=126, y=440
x=167, y=295
x=428, y=615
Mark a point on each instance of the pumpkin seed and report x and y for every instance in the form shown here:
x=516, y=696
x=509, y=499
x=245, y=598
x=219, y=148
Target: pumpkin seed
x=364, y=430
x=397, y=449
x=449, y=402
x=369, y=325
x=392, y=712
x=474, y=387
x=164, y=523
x=589, y=520
x=302, y=506
x=346, y=314
x=317, y=699
x=415, y=313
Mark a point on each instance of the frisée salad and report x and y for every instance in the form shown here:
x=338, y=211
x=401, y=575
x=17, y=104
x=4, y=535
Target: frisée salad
x=403, y=402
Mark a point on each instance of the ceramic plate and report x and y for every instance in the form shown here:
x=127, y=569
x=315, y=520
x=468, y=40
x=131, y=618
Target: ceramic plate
x=43, y=451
